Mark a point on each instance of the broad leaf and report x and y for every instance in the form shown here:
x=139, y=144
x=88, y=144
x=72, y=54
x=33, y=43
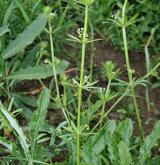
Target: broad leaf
x=38, y=72
x=26, y=37
x=32, y=101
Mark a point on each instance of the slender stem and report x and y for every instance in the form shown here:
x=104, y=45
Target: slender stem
x=102, y=114
x=131, y=81
x=148, y=100
x=104, y=103
x=147, y=58
x=108, y=86
x=129, y=68
x=81, y=83
x=54, y=71
x=53, y=60
x=92, y=53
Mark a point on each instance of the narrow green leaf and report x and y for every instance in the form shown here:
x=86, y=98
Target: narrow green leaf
x=112, y=148
x=27, y=112
x=21, y=8
x=6, y=143
x=86, y=2
x=1, y=66
x=124, y=154
x=38, y=117
x=26, y=37
x=150, y=141
x=17, y=129
x=31, y=101
x=8, y=13
x=100, y=141
x=94, y=107
x=38, y=72
x=125, y=130
x=31, y=58
x=3, y=29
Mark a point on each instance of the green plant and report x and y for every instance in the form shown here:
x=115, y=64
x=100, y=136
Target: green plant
x=147, y=57
x=72, y=121
x=84, y=42
x=105, y=94
x=129, y=70
x=123, y=23
x=143, y=10
x=109, y=144
x=35, y=126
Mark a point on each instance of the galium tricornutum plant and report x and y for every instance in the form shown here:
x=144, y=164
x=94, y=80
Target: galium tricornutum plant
x=84, y=38
x=104, y=94
x=123, y=22
x=54, y=60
